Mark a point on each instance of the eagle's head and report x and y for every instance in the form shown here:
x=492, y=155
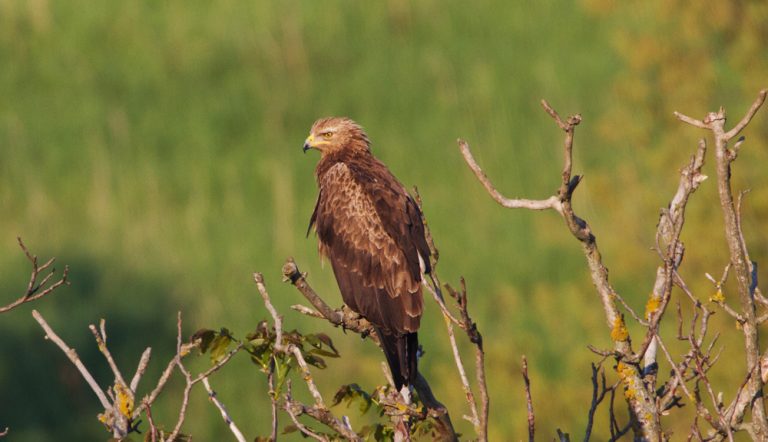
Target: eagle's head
x=334, y=134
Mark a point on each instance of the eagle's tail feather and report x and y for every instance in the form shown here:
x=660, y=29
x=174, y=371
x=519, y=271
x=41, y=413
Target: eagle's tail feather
x=401, y=353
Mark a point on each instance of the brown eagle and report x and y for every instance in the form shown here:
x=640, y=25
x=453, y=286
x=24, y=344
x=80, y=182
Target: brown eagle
x=370, y=229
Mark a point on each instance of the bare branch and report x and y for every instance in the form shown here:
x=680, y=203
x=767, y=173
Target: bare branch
x=141, y=369
x=152, y=427
x=72, y=355
x=150, y=399
x=291, y=273
x=748, y=116
x=692, y=121
x=599, y=391
x=550, y=203
x=294, y=410
x=187, y=387
x=715, y=121
x=434, y=288
x=227, y=419
x=33, y=287
x=258, y=278
x=101, y=340
x=529, y=402
x=641, y=403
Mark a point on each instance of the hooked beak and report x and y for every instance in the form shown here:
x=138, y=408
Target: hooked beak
x=308, y=143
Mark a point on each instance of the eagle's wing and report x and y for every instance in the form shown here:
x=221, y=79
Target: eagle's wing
x=371, y=231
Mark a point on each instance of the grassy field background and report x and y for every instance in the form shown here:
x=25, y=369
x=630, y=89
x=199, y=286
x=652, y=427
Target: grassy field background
x=155, y=148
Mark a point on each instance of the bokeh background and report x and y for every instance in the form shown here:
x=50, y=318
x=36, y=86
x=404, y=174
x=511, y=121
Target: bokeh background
x=155, y=148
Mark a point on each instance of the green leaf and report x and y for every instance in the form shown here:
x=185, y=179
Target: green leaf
x=315, y=361
x=205, y=336
x=319, y=341
x=327, y=341
x=290, y=429
x=262, y=332
x=293, y=337
x=321, y=352
x=351, y=393
x=219, y=346
x=282, y=368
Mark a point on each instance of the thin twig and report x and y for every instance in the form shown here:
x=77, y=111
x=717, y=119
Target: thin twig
x=748, y=116
x=529, y=402
x=72, y=355
x=715, y=122
x=187, y=387
x=449, y=320
x=272, y=399
x=101, y=340
x=552, y=202
x=320, y=411
x=33, y=287
x=290, y=406
x=227, y=419
x=150, y=399
x=141, y=369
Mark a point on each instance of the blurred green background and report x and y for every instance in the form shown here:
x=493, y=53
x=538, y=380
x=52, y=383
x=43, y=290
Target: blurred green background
x=155, y=148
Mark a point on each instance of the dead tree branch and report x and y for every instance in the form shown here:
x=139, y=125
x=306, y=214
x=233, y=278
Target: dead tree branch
x=715, y=123
x=529, y=402
x=641, y=404
x=34, y=287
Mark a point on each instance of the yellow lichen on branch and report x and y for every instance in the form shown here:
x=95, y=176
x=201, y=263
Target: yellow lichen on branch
x=619, y=331
x=124, y=400
x=627, y=376
x=718, y=297
x=654, y=302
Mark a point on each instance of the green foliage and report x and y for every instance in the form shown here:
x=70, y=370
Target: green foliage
x=260, y=344
x=352, y=393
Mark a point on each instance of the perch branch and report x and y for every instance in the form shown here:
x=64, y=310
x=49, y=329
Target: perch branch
x=351, y=321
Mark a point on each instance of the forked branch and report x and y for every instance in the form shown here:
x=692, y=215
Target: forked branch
x=641, y=403
x=37, y=289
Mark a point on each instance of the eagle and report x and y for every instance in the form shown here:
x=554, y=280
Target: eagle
x=371, y=231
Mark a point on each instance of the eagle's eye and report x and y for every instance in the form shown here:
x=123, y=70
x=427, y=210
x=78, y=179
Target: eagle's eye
x=327, y=135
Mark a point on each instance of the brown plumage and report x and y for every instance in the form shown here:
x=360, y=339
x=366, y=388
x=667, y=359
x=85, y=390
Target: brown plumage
x=370, y=229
